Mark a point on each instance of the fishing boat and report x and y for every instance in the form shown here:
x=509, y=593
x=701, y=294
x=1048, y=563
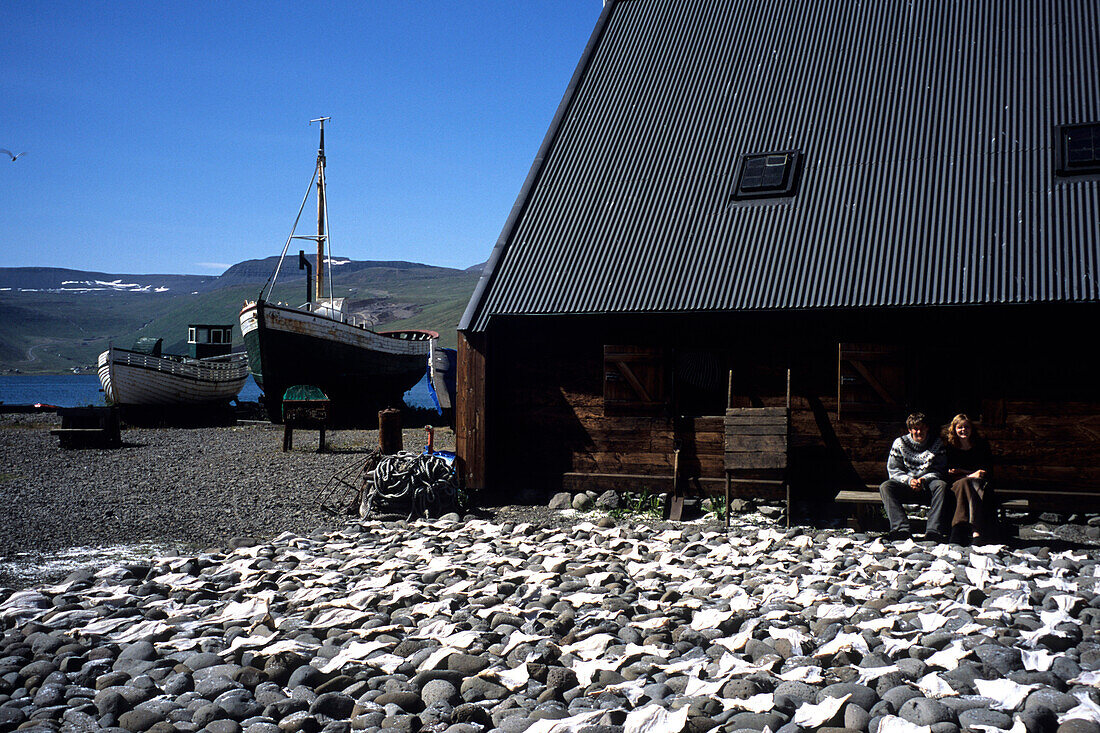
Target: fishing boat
x=144, y=376
x=320, y=343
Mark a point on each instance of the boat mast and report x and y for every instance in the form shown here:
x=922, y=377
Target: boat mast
x=320, y=288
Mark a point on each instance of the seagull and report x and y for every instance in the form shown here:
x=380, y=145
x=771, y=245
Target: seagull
x=13, y=155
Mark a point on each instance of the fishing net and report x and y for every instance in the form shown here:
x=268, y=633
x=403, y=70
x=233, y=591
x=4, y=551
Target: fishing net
x=411, y=485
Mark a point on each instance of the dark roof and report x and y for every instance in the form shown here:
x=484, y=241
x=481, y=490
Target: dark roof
x=927, y=129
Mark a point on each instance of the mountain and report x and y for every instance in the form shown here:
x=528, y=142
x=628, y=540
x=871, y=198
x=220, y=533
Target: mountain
x=58, y=279
x=59, y=320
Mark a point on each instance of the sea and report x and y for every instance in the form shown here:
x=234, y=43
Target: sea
x=81, y=390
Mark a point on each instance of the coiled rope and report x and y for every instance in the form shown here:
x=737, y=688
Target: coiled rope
x=416, y=484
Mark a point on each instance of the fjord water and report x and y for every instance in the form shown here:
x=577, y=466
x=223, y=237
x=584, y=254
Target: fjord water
x=79, y=390
x=63, y=390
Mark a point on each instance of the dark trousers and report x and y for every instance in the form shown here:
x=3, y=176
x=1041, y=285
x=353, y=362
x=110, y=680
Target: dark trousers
x=935, y=494
x=974, y=508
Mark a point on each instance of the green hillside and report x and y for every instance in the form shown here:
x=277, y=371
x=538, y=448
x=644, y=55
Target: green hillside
x=50, y=332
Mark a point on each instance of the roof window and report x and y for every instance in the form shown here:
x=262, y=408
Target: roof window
x=767, y=175
x=1079, y=149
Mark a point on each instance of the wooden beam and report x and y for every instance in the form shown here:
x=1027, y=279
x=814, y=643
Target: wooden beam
x=637, y=385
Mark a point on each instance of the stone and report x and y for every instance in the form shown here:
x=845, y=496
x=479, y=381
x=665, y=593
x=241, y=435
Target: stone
x=110, y=702
x=467, y=664
x=985, y=716
x=439, y=690
x=608, y=500
x=1052, y=700
x=202, y=660
x=214, y=686
x=756, y=721
x=238, y=704
x=300, y=722
x=923, y=711
x=475, y=689
x=335, y=705
x=1079, y=725
x=860, y=695
x=226, y=726
x=798, y=691
x=139, y=720
x=856, y=718
x=1003, y=659
x=11, y=717
x=582, y=502
x=305, y=675
x=897, y=696
x=562, y=500
x=402, y=723
x=469, y=713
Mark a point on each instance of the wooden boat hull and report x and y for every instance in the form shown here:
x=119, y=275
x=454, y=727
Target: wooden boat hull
x=360, y=371
x=133, y=378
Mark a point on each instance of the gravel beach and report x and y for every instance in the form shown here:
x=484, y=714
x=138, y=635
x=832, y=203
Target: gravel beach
x=195, y=488
x=533, y=620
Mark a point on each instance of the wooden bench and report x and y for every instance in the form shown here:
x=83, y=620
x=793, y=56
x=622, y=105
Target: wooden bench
x=869, y=499
x=89, y=427
x=757, y=442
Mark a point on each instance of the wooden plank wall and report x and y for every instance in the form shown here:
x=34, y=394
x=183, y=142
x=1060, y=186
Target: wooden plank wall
x=549, y=421
x=470, y=409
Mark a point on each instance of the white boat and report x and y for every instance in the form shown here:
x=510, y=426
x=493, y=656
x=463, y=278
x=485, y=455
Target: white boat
x=144, y=376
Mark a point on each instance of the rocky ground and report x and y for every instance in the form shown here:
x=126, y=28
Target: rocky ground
x=469, y=626
x=534, y=619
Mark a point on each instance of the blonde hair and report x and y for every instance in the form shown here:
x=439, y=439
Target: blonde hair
x=952, y=432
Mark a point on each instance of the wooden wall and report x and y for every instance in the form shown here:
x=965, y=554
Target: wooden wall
x=471, y=429
x=545, y=392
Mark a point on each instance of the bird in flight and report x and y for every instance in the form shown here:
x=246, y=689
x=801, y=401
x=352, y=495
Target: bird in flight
x=13, y=155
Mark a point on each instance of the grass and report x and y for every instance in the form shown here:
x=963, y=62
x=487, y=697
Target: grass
x=717, y=507
x=644, y=504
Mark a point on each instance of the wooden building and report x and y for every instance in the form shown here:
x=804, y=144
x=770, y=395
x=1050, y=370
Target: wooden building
x=898, y=201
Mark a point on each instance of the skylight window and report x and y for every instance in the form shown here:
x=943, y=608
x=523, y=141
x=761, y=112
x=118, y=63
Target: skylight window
x=1079, y=149
x=767, y=175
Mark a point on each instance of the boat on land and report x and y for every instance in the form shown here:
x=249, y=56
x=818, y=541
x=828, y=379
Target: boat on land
x=144, y=376
x=320, y=343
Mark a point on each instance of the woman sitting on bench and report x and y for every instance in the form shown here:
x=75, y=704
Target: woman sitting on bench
x=968, y=463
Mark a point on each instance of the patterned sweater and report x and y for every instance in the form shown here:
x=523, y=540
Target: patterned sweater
x=908, y=460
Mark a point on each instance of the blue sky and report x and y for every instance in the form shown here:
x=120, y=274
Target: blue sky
x=175, y=137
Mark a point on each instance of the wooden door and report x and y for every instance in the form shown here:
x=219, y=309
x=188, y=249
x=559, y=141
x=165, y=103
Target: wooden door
x=871, y=379
x=635, y=380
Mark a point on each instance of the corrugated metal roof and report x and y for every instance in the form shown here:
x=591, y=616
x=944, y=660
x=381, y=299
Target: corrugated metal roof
x=927, y=126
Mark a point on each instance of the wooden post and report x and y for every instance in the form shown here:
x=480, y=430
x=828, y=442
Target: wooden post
x=389, y=431
x=786, y=474
x=839, y=383
x=471, y=409
x=676, y=501
x=727, y=499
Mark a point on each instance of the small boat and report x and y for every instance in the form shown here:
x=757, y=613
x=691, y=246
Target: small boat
x=142, y=375
x=321, y=344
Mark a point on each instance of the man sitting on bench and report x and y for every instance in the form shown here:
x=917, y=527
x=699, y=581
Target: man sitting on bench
x=916, y=466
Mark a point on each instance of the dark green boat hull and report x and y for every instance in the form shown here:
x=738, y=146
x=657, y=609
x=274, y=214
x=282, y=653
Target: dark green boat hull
x=358, y=382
